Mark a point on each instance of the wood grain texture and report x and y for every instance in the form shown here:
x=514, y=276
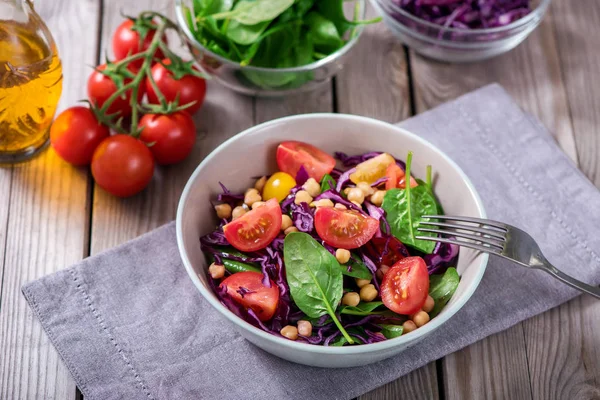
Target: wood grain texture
x=47, y=224
x=578, y=38
x=115, y=221
x=485, y=370
x=5, y=189
x=421, y=384
x=531, y=74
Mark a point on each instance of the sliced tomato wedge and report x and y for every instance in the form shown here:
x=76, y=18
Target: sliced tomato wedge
x=255, y=229
x=247, y=289
x=396, y=178
x=405, y=286
x=389, y=250
x=292, y=155
x=344, y=229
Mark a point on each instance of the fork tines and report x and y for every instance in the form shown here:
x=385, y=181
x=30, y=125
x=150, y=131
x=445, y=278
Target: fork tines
x=479, y=234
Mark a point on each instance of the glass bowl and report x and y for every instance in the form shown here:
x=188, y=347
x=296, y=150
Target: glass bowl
x=456, y=44
x=270, y=82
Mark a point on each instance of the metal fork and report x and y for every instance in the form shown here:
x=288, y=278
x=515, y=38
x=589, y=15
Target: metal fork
x=498, y=239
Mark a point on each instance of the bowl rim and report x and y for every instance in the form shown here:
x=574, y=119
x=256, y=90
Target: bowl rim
x=535, y=13
x=311, y=348
x=303, y=68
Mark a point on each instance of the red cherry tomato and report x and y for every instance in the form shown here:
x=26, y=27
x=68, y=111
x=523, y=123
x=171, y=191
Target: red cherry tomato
x=405, y=286
x=255, y=229
x=292, y=155
x=396, y=178
x=344, y=229
x=126, y=42
x=76, y=133
x=122, y=165
x=247, y=289
x=173, y=136
x=189, y=89
x=389, y=250
x=100, y=87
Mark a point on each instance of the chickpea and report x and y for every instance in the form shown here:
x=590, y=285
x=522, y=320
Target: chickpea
x=382, y=271
x=251, y=197
x=304, y=328
x=368, y=292
x=340, y=206
x=322, y=203
x=351, y=299
x=302, y=196
x=260, y=183
x=429, y=304
x=223, y=210
x=286, y=222
x=408, y=326
x=342, y=255
x=356, y=195
x=357, y=204
x=362, y=282
x=377, y=197
x=257, y=204
x=217, y=271
x=238, y=212
x=290, y=230
x=290, y=332
x=365, y=188
x=420, y=318
x=312, y=187
x=346, y=191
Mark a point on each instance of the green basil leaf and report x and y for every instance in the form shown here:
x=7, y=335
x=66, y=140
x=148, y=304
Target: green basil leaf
x=325, y=35
x=392, y=331
x=314, y=277
x=362, y=308
x=441, y=288
x=357, y=269
x=327, y=183
x=405, y=209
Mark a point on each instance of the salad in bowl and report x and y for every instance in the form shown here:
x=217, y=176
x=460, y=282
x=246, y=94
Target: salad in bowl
x=323, y=251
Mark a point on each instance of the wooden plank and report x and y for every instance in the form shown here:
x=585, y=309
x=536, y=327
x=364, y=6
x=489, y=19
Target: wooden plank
x=47, y=223
x=5, y=189
x=375, y=83
x=224, y=114
x=578, y=40
x=532, y=75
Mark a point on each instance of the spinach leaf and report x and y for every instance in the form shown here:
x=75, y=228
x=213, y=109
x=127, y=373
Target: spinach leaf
x=333, y=10
x=208, y=7
x=358, y=269
x=405, y=209
x=327, y=183
x=245, y=34
x=362, y=308
x=441, y=288
x=314, y=277
x=325, y=35
x=392, y=331
x=251, y=12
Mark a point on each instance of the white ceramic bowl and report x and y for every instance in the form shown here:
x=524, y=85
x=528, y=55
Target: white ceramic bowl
x=252, y=153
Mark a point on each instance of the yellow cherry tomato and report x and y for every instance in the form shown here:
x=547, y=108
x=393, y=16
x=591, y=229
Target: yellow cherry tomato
x=278, y=186
x=373, y=169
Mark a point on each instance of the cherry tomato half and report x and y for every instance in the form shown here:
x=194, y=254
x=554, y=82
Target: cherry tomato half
x=345, y=229
x=255, y=229
x=126, y=42
x=122, y=165
x=389, y=250
x=405, y=286
x=76, y=133
x=188, y=89
x=292, y=155
x=278, y=186
x=247, y=289
x=100, y=87
x=373, y=169
x=396, y=178
x=173, y=136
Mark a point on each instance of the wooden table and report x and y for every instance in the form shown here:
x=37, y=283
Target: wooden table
x=52, y=215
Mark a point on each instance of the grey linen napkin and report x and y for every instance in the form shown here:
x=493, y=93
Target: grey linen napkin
x=128, y=323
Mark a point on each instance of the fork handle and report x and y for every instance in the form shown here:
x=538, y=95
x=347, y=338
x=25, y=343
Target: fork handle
x=569, y=280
